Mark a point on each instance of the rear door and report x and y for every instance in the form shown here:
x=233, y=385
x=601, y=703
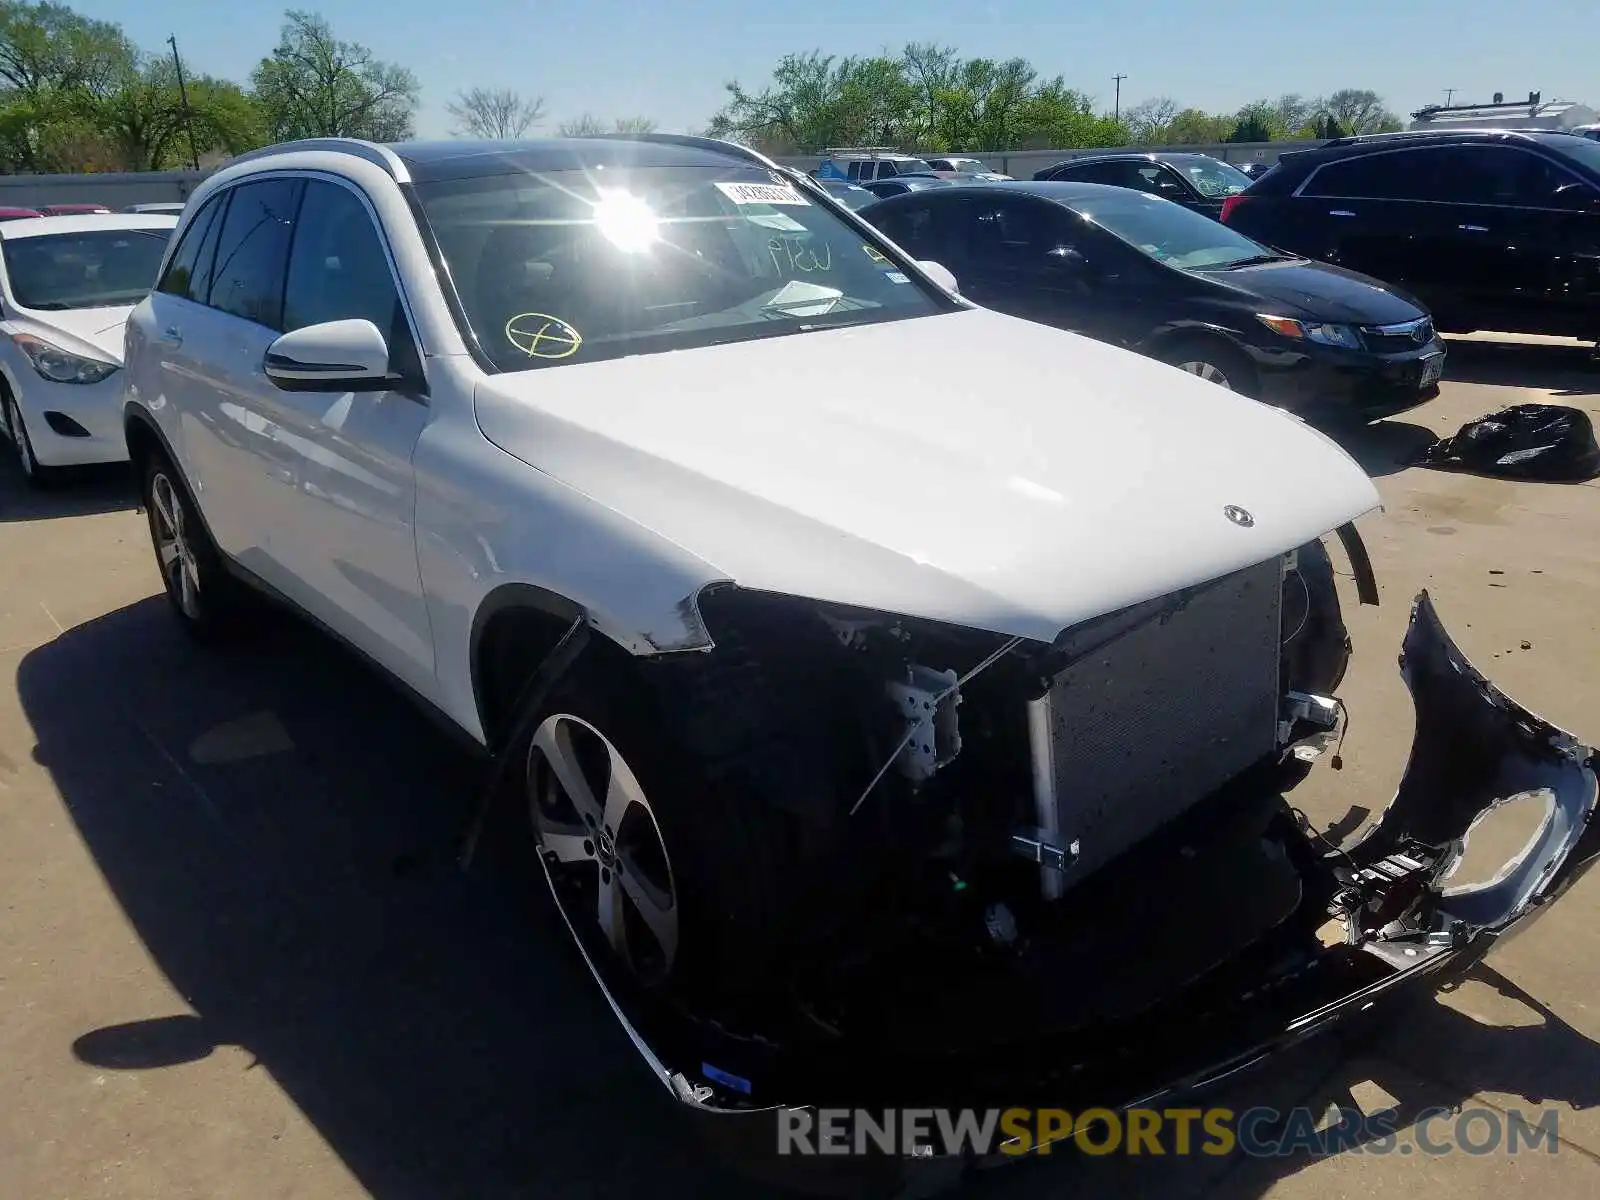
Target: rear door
x=250, y=476
x=1373, y=213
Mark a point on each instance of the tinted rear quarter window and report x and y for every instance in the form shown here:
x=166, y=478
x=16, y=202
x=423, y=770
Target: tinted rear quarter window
x=188, y=274
x=1392, y=175
x=252, y=251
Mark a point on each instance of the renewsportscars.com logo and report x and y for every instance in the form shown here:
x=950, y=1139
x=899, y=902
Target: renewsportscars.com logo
x=1256, y=1132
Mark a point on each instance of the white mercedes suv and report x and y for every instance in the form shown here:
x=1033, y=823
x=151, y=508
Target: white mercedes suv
x=881, y=744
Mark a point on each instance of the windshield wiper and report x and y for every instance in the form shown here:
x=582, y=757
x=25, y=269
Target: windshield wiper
x=1255, y=260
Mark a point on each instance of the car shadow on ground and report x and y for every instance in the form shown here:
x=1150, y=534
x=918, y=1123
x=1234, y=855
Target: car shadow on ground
x=1382, y=448
x=279, y=827
x=1565, y=370
x=85, y=491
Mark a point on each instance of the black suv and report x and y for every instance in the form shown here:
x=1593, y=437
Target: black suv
x=1496, y=230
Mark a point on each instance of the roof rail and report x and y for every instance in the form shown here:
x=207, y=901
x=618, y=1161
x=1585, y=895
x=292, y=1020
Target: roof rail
x=372, y=152
x=693, y=141
x=866, y=150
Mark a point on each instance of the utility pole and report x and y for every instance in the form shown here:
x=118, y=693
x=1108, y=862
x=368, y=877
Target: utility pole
x=1117, y=112
x=183, y=95
x=1449, y=95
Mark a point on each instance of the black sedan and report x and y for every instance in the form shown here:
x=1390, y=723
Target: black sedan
x=1153, y=276
x=1195, y=181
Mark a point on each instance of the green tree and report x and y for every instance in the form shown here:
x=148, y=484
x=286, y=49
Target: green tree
x=1193, y=126
x=55, y=66
x=144, y=121
x=314, y=85
x=929, y=98
x=1258, y=122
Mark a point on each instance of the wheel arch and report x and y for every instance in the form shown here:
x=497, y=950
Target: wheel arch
x=514, y=631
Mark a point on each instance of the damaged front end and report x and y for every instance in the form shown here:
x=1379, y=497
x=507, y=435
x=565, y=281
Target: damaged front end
x=1072, y=880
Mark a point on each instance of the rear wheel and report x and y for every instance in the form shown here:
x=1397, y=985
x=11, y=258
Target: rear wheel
x=207, y=601
x=1213, y=360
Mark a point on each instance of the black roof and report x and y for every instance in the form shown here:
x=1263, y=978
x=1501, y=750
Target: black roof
x=1171, y=156
x=1059, y=191
x=1553, y=138
x=466, y=159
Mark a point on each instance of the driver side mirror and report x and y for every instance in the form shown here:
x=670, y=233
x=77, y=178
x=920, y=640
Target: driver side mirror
x=940, y=274
x=335, y=356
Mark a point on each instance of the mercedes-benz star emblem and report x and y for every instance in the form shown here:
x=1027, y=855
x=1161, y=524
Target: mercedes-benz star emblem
x=1239, y=516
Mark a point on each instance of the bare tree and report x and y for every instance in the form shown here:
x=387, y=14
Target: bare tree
x=588, y=125
x=497, y=113
x=1150, y=121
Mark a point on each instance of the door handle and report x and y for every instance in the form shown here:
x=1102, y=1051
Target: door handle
x=1340, y=212
x=1473, y=228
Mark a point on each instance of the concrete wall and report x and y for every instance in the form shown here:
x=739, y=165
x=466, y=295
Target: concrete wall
x=114, y=190
x=119, y=190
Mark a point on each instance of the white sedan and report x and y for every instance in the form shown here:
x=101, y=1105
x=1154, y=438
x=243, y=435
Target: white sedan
x=67, y=285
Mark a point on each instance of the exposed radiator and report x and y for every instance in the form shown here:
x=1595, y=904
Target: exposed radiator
x=1158, y=713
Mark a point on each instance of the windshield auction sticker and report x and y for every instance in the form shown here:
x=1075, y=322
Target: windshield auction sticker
x=763, y=193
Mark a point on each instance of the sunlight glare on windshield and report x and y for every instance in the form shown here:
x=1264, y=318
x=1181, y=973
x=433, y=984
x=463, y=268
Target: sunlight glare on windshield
x=626, y=221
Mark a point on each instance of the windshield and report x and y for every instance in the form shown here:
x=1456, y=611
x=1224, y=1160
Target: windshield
x=968, y=166
x=1170, y=233
x=575, y=266
x=1580, y=150
x=1215, y=179
x=94, y=269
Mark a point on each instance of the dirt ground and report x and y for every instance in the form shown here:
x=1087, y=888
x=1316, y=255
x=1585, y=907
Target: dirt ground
x=236, y=959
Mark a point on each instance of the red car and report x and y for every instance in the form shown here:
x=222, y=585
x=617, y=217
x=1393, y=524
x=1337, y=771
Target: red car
x=70, y=210
x=16, y=214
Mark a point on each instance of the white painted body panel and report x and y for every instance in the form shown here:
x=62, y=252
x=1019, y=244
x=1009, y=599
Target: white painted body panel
x=1075, y=479
x=1071, y=479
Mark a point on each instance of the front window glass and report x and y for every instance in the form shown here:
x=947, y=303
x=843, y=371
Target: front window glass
x=1215, y=179
x=575, y=266
x=95, y=269
x=1170, y=233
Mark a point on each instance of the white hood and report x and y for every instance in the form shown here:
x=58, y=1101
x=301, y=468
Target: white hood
x=98, y=330
x=969, y=467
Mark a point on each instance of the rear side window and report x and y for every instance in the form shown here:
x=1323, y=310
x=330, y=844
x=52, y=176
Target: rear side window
x=1011, y=231
x=188, y=274
x=1370, y=177
x=1504, y=176
x=914, y=228
x=252, y=251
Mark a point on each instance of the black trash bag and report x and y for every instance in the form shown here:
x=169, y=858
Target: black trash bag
x=1550, y=443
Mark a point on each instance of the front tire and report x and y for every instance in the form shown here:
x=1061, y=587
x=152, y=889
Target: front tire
x=667, y=871
x=204, y=597
x=36, y=473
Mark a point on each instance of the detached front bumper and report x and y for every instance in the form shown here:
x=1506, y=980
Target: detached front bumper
x=1473, y=751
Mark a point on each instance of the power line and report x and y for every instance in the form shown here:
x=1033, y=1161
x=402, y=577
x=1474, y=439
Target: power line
x=1117, y=112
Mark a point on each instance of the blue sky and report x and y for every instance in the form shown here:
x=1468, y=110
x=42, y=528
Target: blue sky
x=669, y=59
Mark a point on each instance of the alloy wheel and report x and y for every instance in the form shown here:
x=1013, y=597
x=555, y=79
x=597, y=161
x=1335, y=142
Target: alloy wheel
x=179, y=569
x=19, y=437
x=1210, y=372
x=601, y=846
